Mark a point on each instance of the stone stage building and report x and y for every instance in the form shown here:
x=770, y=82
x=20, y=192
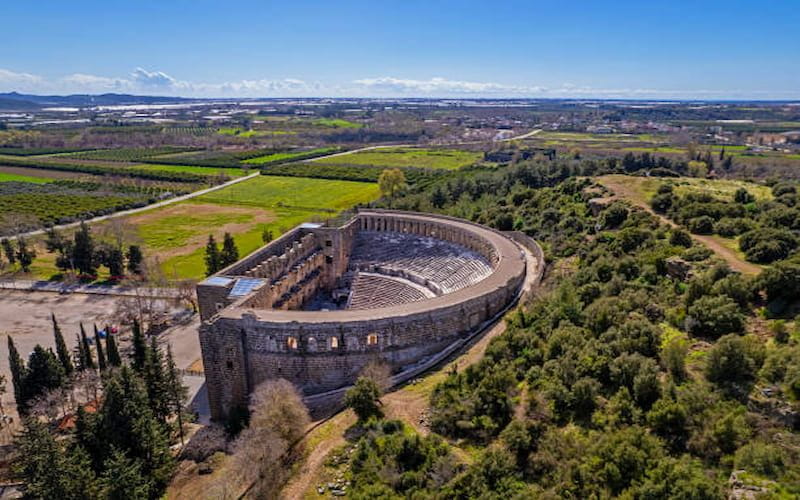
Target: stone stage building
x=319, y=303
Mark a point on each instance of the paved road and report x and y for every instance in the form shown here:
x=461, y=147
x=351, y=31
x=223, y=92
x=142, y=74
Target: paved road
x=242, y=179
x=141, y=209
x=60, y=287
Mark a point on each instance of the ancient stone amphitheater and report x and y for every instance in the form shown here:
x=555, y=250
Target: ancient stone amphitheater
x=318, y=304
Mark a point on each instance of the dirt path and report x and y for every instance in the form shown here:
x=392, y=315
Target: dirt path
x=627, y=192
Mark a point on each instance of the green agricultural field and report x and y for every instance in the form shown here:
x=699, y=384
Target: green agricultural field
x=5, y=177
x=446, y=159
x=337, y=123
x=318, y=195
x=654, y=150
x=210, y=171
x=586, y=137
x=284, y=157
x=240, y=132
x=176, y=234
x=123, y=154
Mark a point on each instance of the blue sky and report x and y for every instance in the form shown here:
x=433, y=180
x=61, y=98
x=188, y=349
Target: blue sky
x=637, y=49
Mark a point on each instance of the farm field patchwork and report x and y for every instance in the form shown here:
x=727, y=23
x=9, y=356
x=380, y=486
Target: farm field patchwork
x=446, y=159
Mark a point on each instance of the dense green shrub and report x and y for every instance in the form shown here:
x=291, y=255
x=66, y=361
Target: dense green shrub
x=767, y=245
x=714, y=316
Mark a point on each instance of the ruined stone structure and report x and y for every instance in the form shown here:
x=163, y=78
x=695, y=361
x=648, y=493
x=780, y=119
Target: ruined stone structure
x=319, y=303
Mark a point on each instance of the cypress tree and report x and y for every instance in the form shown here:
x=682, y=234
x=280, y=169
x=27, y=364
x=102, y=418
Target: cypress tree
x=17, y=373
x=139, y=348
x=87, y=350
x=176, y=391
x=81, y=352
x=127, y=423
x=213, y=258
x=111, y=349
x=230, y=253
x=155, y=381
x=61, y=348
x=101, y=357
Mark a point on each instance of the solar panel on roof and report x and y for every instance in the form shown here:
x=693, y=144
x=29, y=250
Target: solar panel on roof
x=243, y=286
x=217, y=281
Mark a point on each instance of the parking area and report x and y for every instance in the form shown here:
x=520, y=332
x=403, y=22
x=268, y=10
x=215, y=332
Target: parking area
x=25, y=315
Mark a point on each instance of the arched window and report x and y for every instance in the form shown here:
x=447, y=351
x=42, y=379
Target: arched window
x=291, y=343
x=333, y=342
x=372, y=339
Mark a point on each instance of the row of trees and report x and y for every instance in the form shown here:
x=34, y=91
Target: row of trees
x=20, y=252
x=83, y=254
x=124, y=414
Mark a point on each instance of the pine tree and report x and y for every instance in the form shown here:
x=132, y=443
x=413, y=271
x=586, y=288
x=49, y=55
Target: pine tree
x=113, y=259
x=112, y=351
x=155, y=381
x=123, y=479
x=25, y=254
x=126, y=422
x=8, y=249
x=44, y=373
x=18, y=372
x=101, y=357
x=177, y=392
x=229, y=254
x=213, y=257
x=139, y=348
x=135, y=259
x=50, y=470
x=87, y=351
x=83, y=250
x=61, y=348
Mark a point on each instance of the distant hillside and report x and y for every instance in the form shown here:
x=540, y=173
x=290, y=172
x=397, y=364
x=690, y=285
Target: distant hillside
x=17, y=101
x=12, y=104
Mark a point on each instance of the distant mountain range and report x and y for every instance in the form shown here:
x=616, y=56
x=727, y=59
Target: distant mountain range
x=29, y=102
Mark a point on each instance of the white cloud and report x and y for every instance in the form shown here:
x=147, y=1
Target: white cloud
x=19, y=81
x=154, y=82
x=440, y=86
x=94, y=83
x=157, y=79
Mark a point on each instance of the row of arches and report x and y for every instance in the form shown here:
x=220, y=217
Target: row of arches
x=293, y=344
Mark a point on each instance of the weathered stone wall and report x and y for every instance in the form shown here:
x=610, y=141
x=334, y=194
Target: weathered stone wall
x=326, y=350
